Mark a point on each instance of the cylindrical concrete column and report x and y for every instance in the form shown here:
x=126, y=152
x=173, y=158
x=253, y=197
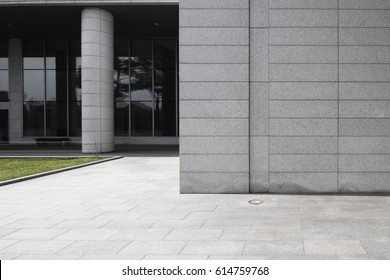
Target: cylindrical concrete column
x=97, y=51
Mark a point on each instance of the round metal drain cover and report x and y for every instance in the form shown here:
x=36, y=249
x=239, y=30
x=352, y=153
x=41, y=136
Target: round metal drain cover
x=255, y=201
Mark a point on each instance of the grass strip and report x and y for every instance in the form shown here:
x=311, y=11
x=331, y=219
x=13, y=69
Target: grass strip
x=12, y=168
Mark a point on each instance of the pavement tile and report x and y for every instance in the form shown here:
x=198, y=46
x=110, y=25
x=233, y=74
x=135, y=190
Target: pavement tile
x=375, y=247
x=153, y=247
x=335, y=247
x=66, y=215
x=164, y=215
x=239, y=257
x=196, y=207
x=81, y=224
x=109, y=201
x=39, y=247
x=5, y=214
x=140, y=234
x=6, y=221
x=310, y=234
x=226, y=224
x=34, y=214
x=289, y=234
x=228, y=208
x=277, y=223
x=35, y=234
x=5, y=257
x=178, y=224
x=118, y=215
x=194, y=234
x=88, y=247
x=112, y=208
x=129, y=224
x=87, y=234
x=112, y=257
x=5, y=243
x=154, y=207
x=6, y=231
x=175, y=257
x=47, y=257
x=385, y=256
x=261, y=234
x=213, y=247
x=273, y=247
x=33, y=223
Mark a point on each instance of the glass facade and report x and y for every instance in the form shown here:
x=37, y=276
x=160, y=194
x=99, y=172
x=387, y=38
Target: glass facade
x=52, y=88
x=145, y=87
x=165, y=88
x=4, y=71
x=4, y=90
x=145, y=84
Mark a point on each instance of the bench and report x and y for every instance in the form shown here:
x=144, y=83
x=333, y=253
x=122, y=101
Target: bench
x=45, y=140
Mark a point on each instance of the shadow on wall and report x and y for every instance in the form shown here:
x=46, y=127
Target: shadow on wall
x=289, y=187
x=344, y=188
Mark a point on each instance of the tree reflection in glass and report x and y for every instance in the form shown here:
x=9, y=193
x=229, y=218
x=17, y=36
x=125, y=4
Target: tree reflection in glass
x=121, y=79
x=141, y=70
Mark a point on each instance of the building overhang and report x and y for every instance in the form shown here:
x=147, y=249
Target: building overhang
x=86, y=2
x=34, y=22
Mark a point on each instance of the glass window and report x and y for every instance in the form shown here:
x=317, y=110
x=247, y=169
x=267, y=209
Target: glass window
x=3, y=85
x=165, y=88
x=56, y=119
x=33, y=52
x=75, y=88
x=165, y=70
x=141, y=118
x=34, y=85
x=56, y=54
x=3, y=71
x=3, y=55
x=56, y=85
x=141, y=70
x=75, y=54
x=165, y=118
x=74, y=118
x=52, y=87
x=3, y=126
x=121, y=70
x=3, y=63
x=33, y=116
x=122, y=118
x=75, y=85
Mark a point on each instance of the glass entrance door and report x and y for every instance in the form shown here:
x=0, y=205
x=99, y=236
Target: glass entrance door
x=3, y=126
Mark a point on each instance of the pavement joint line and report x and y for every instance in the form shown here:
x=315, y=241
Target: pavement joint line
x=47, y=173
x=361, y=243
x=168, y=233
x=183, y=247
x=121, y=249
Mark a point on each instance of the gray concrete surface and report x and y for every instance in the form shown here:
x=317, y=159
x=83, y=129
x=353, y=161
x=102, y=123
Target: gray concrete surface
x=131, y=209
x=214, y=96
x=318, y=76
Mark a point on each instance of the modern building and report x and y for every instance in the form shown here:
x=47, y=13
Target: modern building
x=279, y=96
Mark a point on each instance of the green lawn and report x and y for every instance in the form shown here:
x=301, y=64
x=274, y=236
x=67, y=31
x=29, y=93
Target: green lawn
x=11, y=168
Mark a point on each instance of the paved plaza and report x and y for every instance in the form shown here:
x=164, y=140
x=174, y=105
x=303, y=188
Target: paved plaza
x=131, y=209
